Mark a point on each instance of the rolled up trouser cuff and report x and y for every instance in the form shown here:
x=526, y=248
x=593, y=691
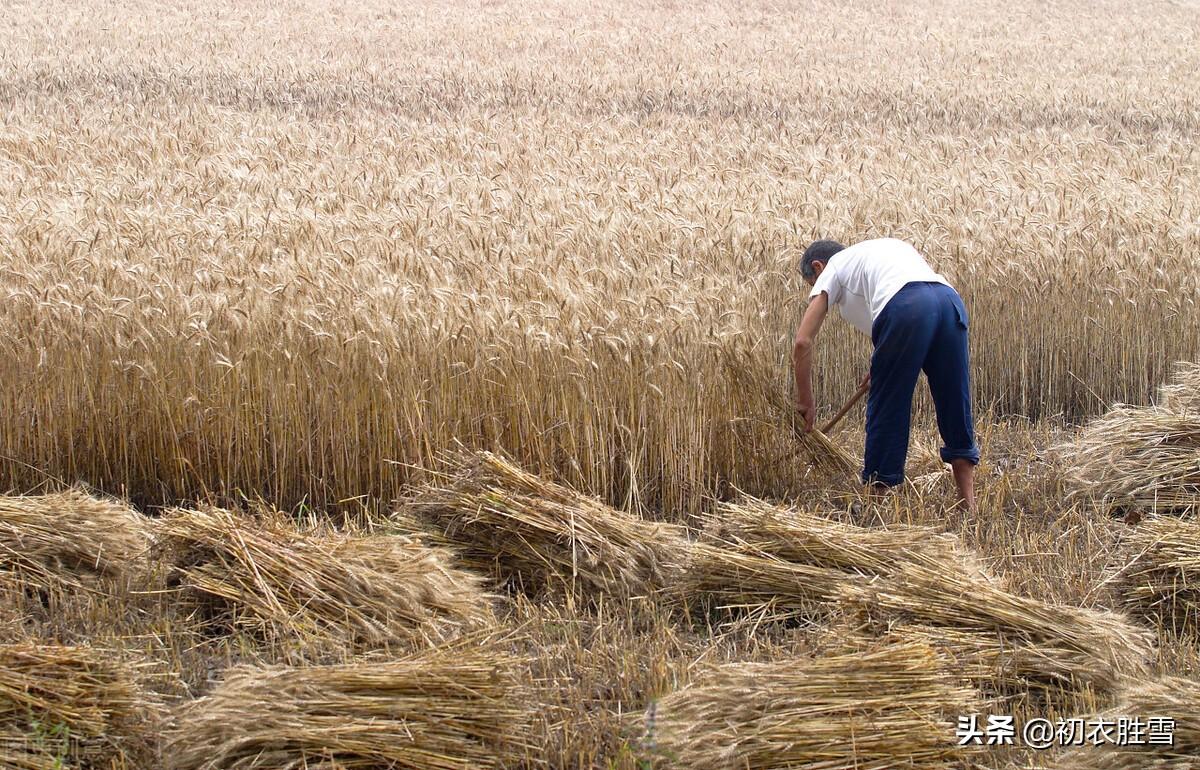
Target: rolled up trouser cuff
x=890, y=480
x=970, y=453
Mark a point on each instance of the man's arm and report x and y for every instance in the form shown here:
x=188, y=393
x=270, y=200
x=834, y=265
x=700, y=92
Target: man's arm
x=802, y=354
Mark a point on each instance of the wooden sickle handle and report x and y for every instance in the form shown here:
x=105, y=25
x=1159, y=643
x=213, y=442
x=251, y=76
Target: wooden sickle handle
x=862, y=389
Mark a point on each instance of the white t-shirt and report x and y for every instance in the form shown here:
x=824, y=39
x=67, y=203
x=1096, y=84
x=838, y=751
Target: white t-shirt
x=860, y=279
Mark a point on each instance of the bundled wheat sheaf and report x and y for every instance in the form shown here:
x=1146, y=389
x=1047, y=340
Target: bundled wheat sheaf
x=264, y=573
x=538, y=534
x=821, y=453
x=1145, y=458
x=1162, y=578
x=1015, y=672
x=70, y=540
x=71, y=707
x=1013, y=644
x=871, y=710
x=757, y=526
x=758, y=554
x=1181, y=394
x=1171, y=698
x=456, y=708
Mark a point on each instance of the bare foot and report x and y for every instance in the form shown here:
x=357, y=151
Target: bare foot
x=964, y=481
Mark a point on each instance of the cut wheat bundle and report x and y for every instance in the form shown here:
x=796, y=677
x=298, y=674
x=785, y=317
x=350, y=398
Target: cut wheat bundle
x=265, y=574
x=70, y=540
x=756, y=526
x=825, y=455
x=64, y=706
x=755, y=553
x=761, y=582
x=1022, y=641
x=538, y=535
x=1161, y=580
x=879, y=708
x=1013, y=670
x=452, y=708
x=1170, y=742
x=1142, y=458
x=1181, y=394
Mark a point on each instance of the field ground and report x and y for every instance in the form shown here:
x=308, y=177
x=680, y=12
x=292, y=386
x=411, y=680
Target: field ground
x=595, y=666
x=289, y=252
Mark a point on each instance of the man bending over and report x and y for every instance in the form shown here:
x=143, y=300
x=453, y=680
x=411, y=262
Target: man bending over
x=917, y=322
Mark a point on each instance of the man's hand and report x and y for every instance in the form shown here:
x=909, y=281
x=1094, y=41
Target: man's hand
x=807, y=410
x=802, y=354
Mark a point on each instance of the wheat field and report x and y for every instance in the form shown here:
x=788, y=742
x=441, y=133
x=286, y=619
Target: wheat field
x=289, y=253
x=289, y=250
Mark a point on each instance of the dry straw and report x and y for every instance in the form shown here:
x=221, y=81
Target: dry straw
x=265, y=574
x=757, y=554
x=66, y=706
x=1161, y=580
x=539, y=535
x=455, y=708
x=1171, y=698
x=758, y=526
x=1181, y=394
x=1016, y=672
x=754, y=553
x=752, y=380
x=1140, y=458
x=762, y=582
x=1143, y=458
x=878, y=709
x=1013, y=644
x=70, y=540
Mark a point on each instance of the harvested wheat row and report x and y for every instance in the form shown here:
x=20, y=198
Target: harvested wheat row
x=454, y=708
x=1170, y=698
x=66, y=706
x=1015, y=671
x=1140, y=458
x=761, y=582
x=1010, y=642
x=1145, y=458
x=1162, y=579
x=870, y=710
x=70, y=540
x=756, y=526
x=756, y=553
x=539, y=535
x=265, y=574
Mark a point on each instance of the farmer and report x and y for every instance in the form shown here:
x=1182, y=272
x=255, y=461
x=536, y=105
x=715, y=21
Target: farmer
x=917, y=322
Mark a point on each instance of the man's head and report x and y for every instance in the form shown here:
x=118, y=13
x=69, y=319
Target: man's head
x=816, y=256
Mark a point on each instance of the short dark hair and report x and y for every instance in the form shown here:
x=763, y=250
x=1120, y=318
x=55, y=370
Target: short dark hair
x=818, y=251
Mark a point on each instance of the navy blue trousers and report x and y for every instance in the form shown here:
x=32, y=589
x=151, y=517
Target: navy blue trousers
x=923, y=327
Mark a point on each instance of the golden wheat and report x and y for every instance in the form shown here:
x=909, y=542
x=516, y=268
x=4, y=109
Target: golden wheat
x=295, y=251
x=298, y=269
